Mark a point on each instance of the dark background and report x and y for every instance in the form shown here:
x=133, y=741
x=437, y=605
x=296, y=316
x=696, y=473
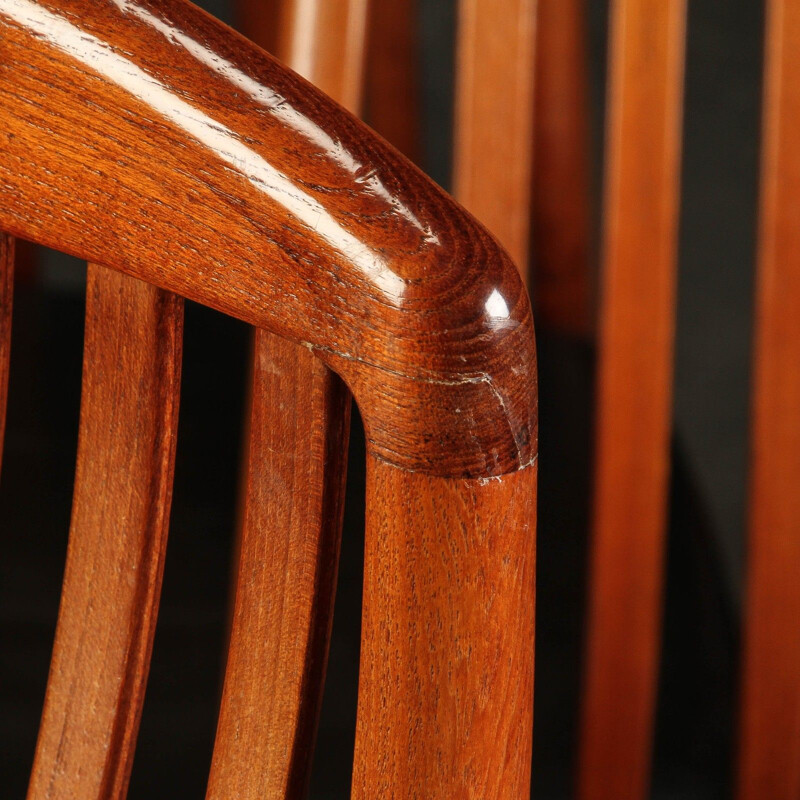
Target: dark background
x=706, y=555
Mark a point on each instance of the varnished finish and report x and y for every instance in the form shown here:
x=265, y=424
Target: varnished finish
x=287, y=575
x=769, y=765
x=288, y=556
x=149, y=137
x=120, y=515
x=634, y=397
x=153, y=139
x=561, y=225
x=494, y=117
x=393, y=91
x=6, y=297
x=448, y=587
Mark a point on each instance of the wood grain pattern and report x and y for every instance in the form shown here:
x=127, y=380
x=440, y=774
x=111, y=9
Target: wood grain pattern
x=6, y=298
x=120, y=517
x=494, y=117
x=146, y=136
x=288, y=555
x=393, y=98
x=561, y=228
x=634, y=397
x=287, y=576
x=446, y=680
x=769, y=765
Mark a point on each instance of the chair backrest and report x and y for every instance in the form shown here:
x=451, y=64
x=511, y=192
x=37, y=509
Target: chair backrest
x=180, y=160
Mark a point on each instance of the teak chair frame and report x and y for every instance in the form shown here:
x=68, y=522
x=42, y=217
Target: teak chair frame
x=182, y=161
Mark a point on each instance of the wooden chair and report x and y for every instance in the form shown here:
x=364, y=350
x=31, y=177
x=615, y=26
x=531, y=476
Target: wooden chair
x=182, y=161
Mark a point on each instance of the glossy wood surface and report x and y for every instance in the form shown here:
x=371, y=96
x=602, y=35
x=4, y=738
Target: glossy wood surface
x=149, y=137
x=561, y=225
x=393, y=95
x=634, y=398
x=446, y=677
x=287, y=575
x=494, y=117
x=769, y=762
x=288, y=555
x=120, y=518
x=6, y=302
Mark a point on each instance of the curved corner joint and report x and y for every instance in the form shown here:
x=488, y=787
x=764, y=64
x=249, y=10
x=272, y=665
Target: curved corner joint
x=148, y=137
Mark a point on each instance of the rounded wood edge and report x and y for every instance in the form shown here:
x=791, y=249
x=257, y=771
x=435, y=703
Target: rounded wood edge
x=246, y=189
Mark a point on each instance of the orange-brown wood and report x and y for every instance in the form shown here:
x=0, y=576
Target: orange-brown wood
x=769, y=764
x=561, y=224
x=494, y=117
x=325, y=41
x=288, y=556
x=392, y=89
x=120, y=517
x=634, y=397
x=448, y=588
x=6, y=297
x=200, y=164
x=287, y=575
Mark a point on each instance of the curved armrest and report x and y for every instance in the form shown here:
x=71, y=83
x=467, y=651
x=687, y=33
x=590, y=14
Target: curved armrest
x=146, y=136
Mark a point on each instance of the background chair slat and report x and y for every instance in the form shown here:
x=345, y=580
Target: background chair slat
x=294, y=498
x=770, y=721
x=326, y=46
x=6, y=298
x=392, y=80
x=561, y=225
x=286, y=577
x=634, y=397
x=494, y=118
x=120, y=518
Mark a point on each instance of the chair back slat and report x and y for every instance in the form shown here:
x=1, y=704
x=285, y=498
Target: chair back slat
x=115, y=556
x=769, y=763
x=326, y=46
x=6, y=298
x=294, y=500
x=287, y=575
x=634, y=397
x=393, y=95
x=494, y=118
x=560, y=221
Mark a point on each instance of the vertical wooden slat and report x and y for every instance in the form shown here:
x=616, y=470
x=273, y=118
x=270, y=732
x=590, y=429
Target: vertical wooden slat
x=634, y=397
x=120, y=517
x=325, y=41
x=393, y=93
x=561, y=224
x=287, y=575
x=6, y=298
x=494, y=118
x=289, y=549
x=770, y=723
